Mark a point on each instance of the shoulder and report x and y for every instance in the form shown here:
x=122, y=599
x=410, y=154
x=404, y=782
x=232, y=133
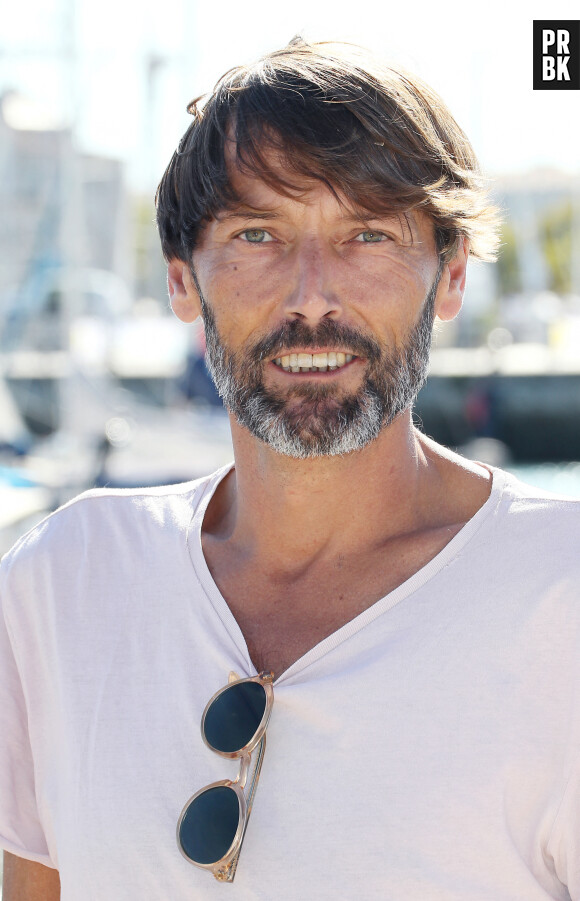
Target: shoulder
x=536, y=525
x=529, y=502
x=104, y=552
x=108, y=509
x=104, y=524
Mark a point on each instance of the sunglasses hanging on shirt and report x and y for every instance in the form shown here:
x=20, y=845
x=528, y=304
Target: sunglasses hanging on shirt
x=212, y=825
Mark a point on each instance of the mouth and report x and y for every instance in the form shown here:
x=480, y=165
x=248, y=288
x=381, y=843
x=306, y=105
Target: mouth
x=315, y=362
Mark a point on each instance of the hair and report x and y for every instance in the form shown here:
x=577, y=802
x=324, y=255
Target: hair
x=376, y=136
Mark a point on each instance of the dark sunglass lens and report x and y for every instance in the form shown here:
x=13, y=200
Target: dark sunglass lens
x=208, y=828
x=233, y=718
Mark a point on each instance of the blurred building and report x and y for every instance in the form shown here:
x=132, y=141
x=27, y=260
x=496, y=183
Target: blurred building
x=543, y=213
x=59, y=209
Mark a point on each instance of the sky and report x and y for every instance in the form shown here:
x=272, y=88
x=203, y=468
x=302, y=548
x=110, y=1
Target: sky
x=123, y=71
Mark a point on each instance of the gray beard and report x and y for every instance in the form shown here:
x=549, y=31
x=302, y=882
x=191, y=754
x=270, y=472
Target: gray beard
x=315, y=419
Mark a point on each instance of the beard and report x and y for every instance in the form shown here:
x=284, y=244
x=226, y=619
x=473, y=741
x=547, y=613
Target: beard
x=313, y=419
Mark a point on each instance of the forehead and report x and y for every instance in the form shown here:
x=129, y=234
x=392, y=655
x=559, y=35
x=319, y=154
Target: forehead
x=255, y=192
x=268, y=175
x=282, y=190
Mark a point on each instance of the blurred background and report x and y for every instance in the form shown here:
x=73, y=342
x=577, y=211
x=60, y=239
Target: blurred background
x=100, y=385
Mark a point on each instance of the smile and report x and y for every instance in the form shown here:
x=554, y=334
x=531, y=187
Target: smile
x=320, y=362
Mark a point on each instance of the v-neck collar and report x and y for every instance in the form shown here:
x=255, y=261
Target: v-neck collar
x=361, y=620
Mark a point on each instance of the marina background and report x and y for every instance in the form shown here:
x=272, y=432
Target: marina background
x=100, y=385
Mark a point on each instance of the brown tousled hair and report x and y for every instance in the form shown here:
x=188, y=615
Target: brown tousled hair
x=375, y=135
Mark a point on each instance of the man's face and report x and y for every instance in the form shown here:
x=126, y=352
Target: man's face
x=318, y=323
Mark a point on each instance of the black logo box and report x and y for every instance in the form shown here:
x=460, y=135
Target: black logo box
x=573, y=64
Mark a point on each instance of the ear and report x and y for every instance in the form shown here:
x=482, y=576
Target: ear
x=452, y=284
x=183, y=294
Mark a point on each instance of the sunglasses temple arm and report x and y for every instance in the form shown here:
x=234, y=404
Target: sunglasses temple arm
x=249, y=801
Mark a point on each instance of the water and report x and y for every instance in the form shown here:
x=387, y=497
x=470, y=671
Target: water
x=559, y=478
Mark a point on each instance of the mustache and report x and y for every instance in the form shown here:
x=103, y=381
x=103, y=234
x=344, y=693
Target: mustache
x=296, y=335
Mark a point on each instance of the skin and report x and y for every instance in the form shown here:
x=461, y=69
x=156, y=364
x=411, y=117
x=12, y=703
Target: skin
x=25, y=880
x=270, y=535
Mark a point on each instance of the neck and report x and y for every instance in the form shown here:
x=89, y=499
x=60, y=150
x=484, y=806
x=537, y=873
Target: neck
x=278, y=508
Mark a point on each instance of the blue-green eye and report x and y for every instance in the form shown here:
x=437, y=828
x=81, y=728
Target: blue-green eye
x=255, y=235
x=370, y=237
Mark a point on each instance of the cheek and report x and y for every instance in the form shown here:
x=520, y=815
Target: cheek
x=239, y=305
x=393, y=295
x=243, y=292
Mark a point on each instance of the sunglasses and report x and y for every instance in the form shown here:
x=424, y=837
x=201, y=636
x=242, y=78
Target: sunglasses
x=213, y=823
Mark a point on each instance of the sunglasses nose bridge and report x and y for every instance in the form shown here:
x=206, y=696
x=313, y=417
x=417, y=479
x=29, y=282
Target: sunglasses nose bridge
x=242, y=776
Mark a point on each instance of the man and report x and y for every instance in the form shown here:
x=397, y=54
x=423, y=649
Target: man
x=418, y=611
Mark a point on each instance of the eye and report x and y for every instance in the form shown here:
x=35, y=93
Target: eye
x=255, y=236
x=371, y=237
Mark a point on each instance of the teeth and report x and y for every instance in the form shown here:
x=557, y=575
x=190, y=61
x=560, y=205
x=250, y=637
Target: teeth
x=319, y=362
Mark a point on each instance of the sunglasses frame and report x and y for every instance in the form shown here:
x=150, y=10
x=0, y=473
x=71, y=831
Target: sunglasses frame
x=263, y=679
x=224, y=869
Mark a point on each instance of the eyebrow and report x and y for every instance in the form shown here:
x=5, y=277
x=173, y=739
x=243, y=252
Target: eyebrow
x=246, y=213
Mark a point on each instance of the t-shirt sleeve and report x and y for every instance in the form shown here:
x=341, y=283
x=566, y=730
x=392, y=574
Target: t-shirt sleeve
x=21, y=831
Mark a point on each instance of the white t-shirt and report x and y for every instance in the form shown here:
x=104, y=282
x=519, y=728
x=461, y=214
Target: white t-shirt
x=429, y=750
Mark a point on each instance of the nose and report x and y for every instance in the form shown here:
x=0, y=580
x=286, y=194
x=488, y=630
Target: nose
x=311, y=296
